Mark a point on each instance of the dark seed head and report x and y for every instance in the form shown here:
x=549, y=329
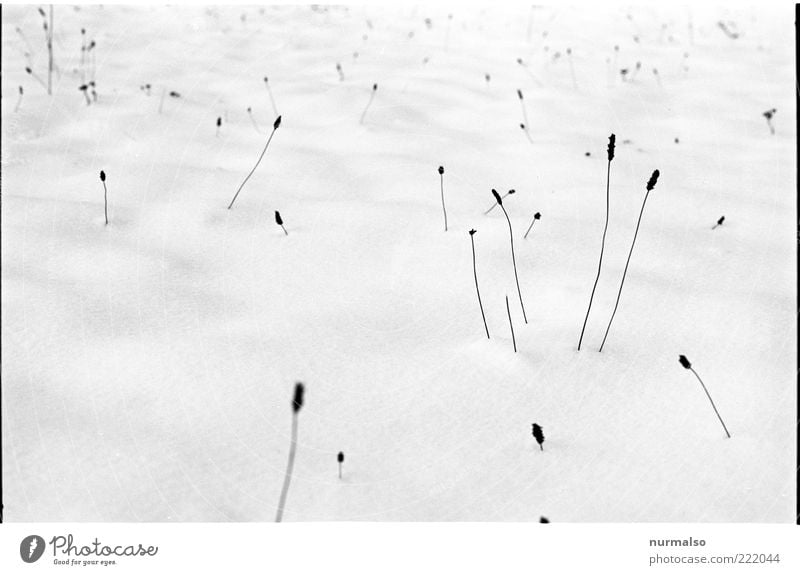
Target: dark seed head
x=441, y=170
x=519, y=94
x=719, y=221
x=278, y=219
x=537, y=216
x=497, y=197
x=612, y=139
x=653, y=179
x=522, y=126
x=28, y=70
x=340, y=457
x=472, y=232
x=512, y=191
x=684, y=362
x=219, y=122
x=374, y=87
x=543, y=519
x=297, y=401
x=277, y=123
x=102, y=176
x=20, y=89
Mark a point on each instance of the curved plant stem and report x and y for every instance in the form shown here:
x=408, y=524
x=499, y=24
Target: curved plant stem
x=600, y=264
x=288, y=477
x=712, y=401
x=633, y=243
x=264, y=151
x=475, y=273
x=514, y=261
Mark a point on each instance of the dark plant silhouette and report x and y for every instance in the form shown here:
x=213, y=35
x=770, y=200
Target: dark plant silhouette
x=687, y=365
x=538, y=435
x=441, y=183
x=275, y=126
x=650, y=185
x=513, y=256
x=511, y=323
x=279, y=221
x=105, y=193
x=475, y=273
x=297, y=403
x=611, y=144
x=536, y=216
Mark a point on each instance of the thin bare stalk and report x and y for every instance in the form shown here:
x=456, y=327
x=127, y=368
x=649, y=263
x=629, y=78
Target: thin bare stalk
x=633, y=243
x=514, y=261
x=264, y=151
x=600, y=263
x=289, y=466
x=712, y=402
x=513, y=339
x=477, y=289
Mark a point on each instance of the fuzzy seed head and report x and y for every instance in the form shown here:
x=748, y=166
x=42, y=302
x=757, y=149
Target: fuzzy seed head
x=519, y=94
x=537, y=216
x=340, y=457
x=612, y=140
x=472, y=232
x=278, y=219
x=374, y=87
x=512, y=191
x=441, y=170
x=277, y=123
x=653, y=179
x=102, y=176
x=684, y=362
x=297, y=401
x=219, y=121
x=497, y=197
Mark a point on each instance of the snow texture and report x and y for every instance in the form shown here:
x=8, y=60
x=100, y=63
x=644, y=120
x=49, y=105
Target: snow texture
x=148, y=365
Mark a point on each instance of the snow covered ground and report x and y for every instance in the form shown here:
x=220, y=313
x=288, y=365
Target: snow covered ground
x=148, y=365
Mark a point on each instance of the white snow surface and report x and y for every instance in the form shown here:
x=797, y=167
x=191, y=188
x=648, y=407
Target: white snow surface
x=148, y=365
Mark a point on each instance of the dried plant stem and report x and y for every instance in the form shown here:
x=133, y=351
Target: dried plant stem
x=264, y=151
x=600, y=263
x=624, y=273
x=441, y=182
x=288, y=477
x=477, y=289
x=712, y=401
x=514, y=261
x=105, y=200
x=513, y=339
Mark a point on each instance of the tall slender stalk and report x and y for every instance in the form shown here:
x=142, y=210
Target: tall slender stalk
x=441, y=183
x=264, y=151
x=105, y=194
x=650, y=185
x=297, y=403
x=371, y=97
x=685, y=363
x=611, y=141
x=513, y=339
x=513, y=256
x=477, y=289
